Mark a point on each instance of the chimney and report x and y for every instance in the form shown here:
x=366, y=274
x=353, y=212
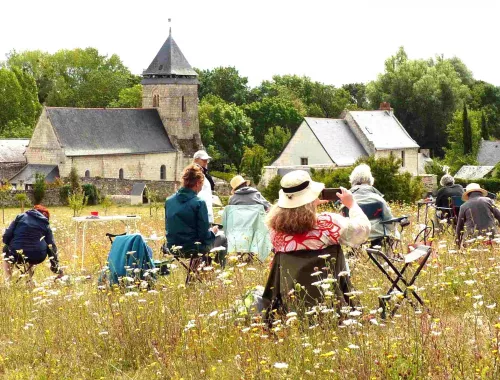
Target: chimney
x=385, y=106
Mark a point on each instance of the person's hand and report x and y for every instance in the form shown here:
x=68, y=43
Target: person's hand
x=215, y=229
x=346, y=197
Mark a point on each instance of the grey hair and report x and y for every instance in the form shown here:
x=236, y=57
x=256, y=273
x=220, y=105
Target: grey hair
x=447, y=180
x=361, y=175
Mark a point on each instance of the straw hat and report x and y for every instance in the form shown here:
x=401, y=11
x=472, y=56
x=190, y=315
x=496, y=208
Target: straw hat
x=298, y=189
x=237, y=181
x=471, y=187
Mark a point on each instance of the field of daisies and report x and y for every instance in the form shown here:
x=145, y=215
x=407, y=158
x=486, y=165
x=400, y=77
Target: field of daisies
x=74, y=329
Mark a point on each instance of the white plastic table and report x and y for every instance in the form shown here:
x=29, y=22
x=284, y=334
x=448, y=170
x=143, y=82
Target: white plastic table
x=85, y=220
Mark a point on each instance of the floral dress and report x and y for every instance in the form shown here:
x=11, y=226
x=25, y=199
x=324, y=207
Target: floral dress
x=330, y=229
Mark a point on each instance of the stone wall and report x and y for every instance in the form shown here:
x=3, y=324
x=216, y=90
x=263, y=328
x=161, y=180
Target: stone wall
x=10, y=169
x=123, y=187
x=51, y=198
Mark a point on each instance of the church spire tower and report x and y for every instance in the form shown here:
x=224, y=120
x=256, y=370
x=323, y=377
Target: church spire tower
x=171, y=85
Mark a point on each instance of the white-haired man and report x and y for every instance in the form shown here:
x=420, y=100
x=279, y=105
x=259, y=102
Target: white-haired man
x=449, y=189
x=201, y=158
x=364, y=193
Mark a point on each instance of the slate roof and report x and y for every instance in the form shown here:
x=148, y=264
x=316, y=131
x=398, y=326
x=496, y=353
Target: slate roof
x=383, y=129
x=489, y=153
x=99, y=131
x=337, y=139
x=138, y=189
x=169, y=61
x=12, y=150
x=473, y=172
x=27, y=174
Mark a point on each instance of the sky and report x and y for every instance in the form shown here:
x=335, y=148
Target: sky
x=331, y=41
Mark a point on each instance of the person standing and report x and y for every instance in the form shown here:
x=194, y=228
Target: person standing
x=201, y=158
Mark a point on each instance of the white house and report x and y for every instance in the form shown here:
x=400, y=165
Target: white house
x=320, y=142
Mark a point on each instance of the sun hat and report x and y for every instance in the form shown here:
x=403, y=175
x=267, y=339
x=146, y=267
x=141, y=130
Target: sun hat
x=202, y=155
x=298, y=189
x=237, y=181
x=471, y=187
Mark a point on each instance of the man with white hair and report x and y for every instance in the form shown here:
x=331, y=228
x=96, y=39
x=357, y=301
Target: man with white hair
x=449, y=189
x=201, y=158
x=364, y=193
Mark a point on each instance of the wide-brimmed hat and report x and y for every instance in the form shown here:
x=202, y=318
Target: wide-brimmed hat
x=201, y=154
x=237, y=181
x=298, y=189
x=471, y=187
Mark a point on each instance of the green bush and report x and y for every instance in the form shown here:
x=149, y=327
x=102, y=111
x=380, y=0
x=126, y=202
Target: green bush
x=91, y=193
x=39, y=188
x=224, y=199
x=222, y=175
x=490, y=184
x=271, y=191
x=332, y=177
x=64, y=193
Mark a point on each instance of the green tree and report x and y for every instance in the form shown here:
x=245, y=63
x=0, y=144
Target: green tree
x=22, y=198
x=39, y=188
x=271, y=191
x=424, y=95
x=467, y=133
x=130, y=97
x=275, y=140
x=77, y=202
x=254, y=159
x=74, y=180
x=270, y=112
x=4, y=195
x=484, y=127
x=224, y=82
x=226, y=130
x=358, y=94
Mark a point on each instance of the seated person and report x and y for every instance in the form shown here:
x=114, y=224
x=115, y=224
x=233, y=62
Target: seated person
x=294, y=224
x=477, y=215
x=187, y=217
x=243, y=194
x=29, y=240
x=364, y=193
x=449, y=189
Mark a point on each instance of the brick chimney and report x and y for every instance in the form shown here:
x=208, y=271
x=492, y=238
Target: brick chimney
x=385, y=106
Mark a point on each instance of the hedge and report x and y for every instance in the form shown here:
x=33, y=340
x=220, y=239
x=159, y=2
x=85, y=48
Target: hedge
x=490, y=184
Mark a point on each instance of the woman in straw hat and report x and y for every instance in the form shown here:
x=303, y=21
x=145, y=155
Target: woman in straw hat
x=244, y=194
x=294, y=224
x=477, y=215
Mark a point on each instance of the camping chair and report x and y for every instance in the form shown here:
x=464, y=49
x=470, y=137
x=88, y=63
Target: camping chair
x=128, y=251
x=419, y=254
x=193, y=266
x=306, y=268
x=246, y=231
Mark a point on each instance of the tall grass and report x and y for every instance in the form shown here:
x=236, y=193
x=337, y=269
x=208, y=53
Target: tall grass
x=72, y=329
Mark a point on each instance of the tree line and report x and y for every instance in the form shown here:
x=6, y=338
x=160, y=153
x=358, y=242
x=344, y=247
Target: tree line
x=245, y=128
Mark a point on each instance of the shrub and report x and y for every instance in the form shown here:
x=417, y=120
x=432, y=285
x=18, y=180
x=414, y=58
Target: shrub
x=23, y=200
x=490, y=184
x=106, y=203
x=77, y=201
x=39, y=188
x=64, y=193
x=332, y=177
x=74, y=180
x=271, y=191
x=91, y=193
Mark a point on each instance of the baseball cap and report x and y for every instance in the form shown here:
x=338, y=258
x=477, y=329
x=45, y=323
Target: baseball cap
x=201, y=154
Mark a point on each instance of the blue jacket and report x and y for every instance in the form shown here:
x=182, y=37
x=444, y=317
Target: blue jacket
x=31, y=233
x=187, y=222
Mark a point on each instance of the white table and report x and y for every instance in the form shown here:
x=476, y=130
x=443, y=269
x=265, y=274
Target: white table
x=85, y=220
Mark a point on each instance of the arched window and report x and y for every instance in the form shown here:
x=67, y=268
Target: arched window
x=156, y=100
x=163, y=172
x=120, y=174
x=87, y=173
x=183, y=104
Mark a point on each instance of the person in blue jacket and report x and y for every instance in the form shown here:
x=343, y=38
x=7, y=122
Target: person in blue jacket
x=29, y=240
x=187, y=224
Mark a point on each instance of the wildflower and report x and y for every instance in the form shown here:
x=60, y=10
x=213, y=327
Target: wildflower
x=103, y=333
x=355, y=313
x=317, y=273
x=324, y=256
x=353, y=347
x=291, y=314
x=326, y=286
x=492, y=306
x=343, y=273
x=217, y=249
x=280, y=365
x=469, y=282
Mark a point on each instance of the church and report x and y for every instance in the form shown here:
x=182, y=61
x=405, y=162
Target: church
x=154, y=142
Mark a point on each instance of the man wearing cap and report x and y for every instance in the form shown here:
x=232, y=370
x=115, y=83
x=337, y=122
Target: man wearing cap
x=477, y=215
x=201, y=158
x=244, y=194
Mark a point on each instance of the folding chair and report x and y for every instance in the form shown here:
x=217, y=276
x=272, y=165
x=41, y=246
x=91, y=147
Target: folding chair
x=193, y=266
x=246, y=231
x=398, y=281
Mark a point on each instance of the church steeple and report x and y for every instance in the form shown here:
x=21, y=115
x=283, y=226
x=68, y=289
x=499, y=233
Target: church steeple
x=168, y=63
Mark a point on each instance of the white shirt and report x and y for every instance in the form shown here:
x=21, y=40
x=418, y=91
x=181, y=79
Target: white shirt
x=206, y=195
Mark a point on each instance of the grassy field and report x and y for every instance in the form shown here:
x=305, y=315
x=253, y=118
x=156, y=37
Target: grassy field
x=75, y=330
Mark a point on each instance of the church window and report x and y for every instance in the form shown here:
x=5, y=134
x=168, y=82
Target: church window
x=183, y=105
x=156, y=100
x=120, y=174
x=163, y=172
x=87, y=173
x=403, y=159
